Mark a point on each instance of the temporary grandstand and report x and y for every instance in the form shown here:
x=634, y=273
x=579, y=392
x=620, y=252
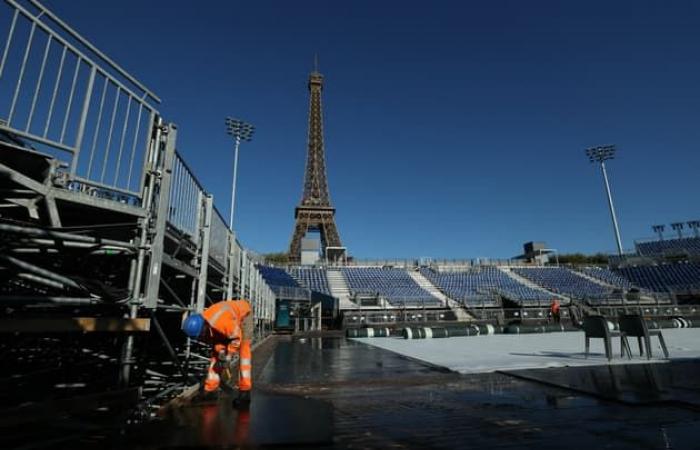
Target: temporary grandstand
x=683, y=246
x=660, y=272
x=107, y=237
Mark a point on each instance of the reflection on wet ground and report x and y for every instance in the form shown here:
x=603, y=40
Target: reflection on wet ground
x=381, y=399
x=675, y=383
x=337, y=361
x=333, y=393
x=271, y=420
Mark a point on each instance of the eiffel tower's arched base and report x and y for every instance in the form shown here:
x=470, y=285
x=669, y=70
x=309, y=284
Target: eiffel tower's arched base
x=321, y=219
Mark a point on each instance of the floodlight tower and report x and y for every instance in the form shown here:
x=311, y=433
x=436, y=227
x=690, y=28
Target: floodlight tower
x=678, y=226
x=600, y=155
x=695, y=226
x=659, y=229
x=241, y=131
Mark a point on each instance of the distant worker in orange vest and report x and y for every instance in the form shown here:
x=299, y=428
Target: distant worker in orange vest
x=554, y=310
x=228, y=326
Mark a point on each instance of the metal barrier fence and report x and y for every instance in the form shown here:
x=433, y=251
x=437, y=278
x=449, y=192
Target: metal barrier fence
x=218, y=238
x=72, y=101
x=68, y=100
x=292, y=293
x=185, y=199
x=355, y=318
x=651, y=311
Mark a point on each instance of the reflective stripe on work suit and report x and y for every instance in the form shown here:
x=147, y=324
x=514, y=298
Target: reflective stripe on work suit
x=245, y=381
x=225, y=320
x=226, y=317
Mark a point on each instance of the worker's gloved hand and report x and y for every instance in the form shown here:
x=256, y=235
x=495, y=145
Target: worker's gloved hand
x=211, y=383
x=234, y=344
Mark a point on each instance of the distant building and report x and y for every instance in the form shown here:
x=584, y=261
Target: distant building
x=535, y=252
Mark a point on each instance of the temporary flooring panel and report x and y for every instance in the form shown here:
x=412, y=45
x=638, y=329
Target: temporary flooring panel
x=489, y=353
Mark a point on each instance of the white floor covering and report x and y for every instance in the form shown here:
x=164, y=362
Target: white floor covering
x=488, y=353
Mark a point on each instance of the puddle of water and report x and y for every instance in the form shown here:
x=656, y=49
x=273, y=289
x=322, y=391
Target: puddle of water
x=270, y=420
x=633, y=383
x=324, y=360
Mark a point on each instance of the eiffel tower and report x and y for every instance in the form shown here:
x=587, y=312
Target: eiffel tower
x=315, y=212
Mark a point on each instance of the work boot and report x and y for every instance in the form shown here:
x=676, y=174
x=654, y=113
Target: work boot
x=243, y=400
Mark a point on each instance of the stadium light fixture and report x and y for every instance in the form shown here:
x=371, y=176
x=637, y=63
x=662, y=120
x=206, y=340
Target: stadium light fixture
x=678, y=226
x=695, y=226
x=659, y=229
x=241, y=131
x=599, y=155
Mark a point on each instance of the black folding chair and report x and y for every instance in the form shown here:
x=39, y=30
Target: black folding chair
x=597, y=327
x=635, y=325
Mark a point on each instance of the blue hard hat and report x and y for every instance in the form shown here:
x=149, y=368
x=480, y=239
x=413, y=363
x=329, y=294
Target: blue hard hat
x=193, y=325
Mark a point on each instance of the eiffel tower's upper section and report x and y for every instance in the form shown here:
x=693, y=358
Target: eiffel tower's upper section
x=315, y=181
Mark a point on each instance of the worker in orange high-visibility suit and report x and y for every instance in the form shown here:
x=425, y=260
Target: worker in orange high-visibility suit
x=228, y=326
x=555, y=310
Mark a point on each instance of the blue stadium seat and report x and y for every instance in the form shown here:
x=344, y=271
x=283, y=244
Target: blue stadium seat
x=395, y=285
x=564, y=281
x=608, y=276
x=277, y=277
x=479, y=286
x=664, y=277
x=683, y=246
x=311, y=278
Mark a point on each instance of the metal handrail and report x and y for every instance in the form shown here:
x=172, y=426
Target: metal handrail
x=45, y=11
x=100, y=124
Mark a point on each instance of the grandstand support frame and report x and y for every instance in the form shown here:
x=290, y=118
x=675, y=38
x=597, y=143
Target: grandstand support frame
x=107, y=238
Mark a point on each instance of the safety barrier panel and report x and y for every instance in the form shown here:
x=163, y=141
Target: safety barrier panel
x=72, y=101
x=218, y=240
x=66, y=99
x=185, y=197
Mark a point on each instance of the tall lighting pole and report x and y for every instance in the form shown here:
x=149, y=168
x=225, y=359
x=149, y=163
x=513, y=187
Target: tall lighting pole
x=241, y=131
x=678, y=227
x=694, y=225
x=659, y=229
x=600, y=155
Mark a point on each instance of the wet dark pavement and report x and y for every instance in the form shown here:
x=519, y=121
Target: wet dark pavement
x=270, y=420
x=334, y=393
x=677, y=383
x=337, y=361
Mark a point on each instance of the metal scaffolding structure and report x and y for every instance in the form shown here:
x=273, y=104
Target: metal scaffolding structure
x=107, y=238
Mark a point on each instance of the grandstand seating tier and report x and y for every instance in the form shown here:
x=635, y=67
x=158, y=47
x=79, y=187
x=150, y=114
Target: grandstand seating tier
x=564, y=281
x=682, y=246
x=395, y=285
x=607, y=276
x=664, y=277
x=481, y=286
x=311, y=278
x=277, y=277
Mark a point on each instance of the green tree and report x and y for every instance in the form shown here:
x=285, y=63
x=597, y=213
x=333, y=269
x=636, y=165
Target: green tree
x=580, y=258
x=277, y=258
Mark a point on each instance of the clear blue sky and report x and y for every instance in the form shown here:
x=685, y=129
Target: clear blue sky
x=453, y=129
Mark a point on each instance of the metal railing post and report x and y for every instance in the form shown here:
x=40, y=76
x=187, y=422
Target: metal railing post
x=83, y=119
x=208, y=205
x=161, y=217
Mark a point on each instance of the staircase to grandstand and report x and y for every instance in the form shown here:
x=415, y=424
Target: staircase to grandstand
x=423, y=282
x=339, y=289
x=580, y=272
x=531, y=285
